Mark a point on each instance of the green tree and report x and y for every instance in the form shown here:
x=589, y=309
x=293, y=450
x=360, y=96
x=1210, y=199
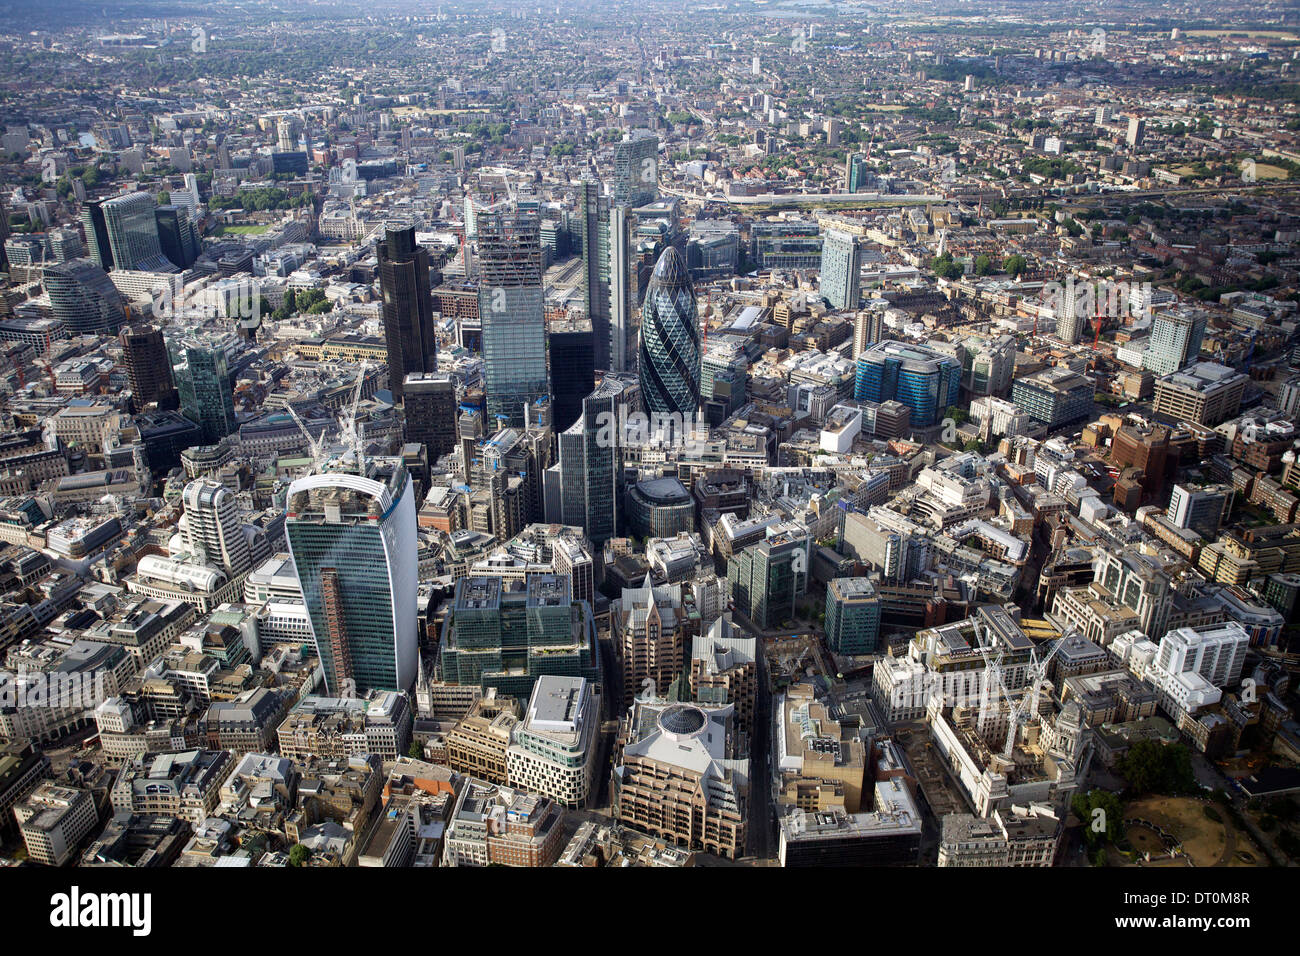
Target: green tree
x=415, y=751
x=299, y=855
x=1153, y=767
x=1085, y=806
x=1015, y=265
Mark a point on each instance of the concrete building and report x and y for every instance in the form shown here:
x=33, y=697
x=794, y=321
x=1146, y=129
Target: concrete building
x=54, y=820
x=553, y=749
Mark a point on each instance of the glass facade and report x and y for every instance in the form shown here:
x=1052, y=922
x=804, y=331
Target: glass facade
x=670, y=340
x=511, y=310
x=927, y=382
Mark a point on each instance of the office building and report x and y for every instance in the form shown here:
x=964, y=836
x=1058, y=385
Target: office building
x=636, y=170
x=336, y=728
x=132, y=229
x=1054, y=396
x=659, y=508
x=1201, y=510
x=590, y=471
x=212, y=528
x=841, y=271
x=148, y=368
x=852, y=616
x=572, y=349
x=677, y=776
x=768, y=579
x=724, y=670
x=95, y=226
x=670, y=341
x=1204, y=393
x=922, y=379
x=409, y=333
x=553, y=749
x=83, y=297
x=500, y=826
x=351, y=531
x=201, y=370
x=652, y=626
x=624, y=289
x=593, y=227
x=504, y=633
x=511, y=310
x=429, y=410
x=177, y=236
x=54, y=820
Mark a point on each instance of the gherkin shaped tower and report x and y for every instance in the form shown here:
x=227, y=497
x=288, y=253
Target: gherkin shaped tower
x=670, y=340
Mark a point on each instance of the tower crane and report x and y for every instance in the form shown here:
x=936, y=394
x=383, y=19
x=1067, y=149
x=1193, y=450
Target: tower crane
x=1028, y=702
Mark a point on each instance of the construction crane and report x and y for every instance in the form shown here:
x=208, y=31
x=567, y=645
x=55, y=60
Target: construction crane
x=1028, y=703
x=314, y=445
x=351, y=430
x=992, y=674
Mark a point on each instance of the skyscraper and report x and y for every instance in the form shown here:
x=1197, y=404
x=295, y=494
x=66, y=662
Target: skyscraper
x=593, y=228
x=840, y=270
x=670, y=340
x=623, y=289
x=177, y=236
x=589, y=465
x=213, y=529
x=351, y=532
x=1176, y=336
x=408, y=306
x=511, y=310
x=429, y=404
x=83, y=297
x=96, y=228
x=202, y=374
x=636, y=170
x=133, y=233
x=573, y=370
x=148, y=368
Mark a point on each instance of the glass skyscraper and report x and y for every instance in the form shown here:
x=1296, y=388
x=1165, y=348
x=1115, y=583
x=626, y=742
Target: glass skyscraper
x=202, y=373
x=352, y=537
x=408, y=306
x=83, y=297
x=511, y=310
x=636, y=170
x=593, y=228
x=670, y=340
x=132, y=229
x=924, y=380
x=589, y=464
x=840, y=270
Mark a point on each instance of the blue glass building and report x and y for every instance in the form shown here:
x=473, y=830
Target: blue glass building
x=924, y=380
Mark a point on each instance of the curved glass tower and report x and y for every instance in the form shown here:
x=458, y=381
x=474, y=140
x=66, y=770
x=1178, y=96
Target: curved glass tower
x=670, y=340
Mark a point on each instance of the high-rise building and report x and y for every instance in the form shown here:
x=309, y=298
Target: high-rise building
x=351, y=531
x=430, y=409
x=678, y=776
x=1176, y=336
x=868, y=329
x=852, y=616
x=1137, y=128
x=511, y=310
x=593, y=233
x=652, y=627
x=505, y=633
x=573, y=370
x=408, y=306
x=83, y=297
x=201, y=370
x=177, y=236
x=670, y=340
x=768, y=579
x=148, y=369
x=96, y=229
x=553, y=749
x=213, y=530
x=623, y=289
x=859, y=177
x=132, y=229
x=1204, y=392
x=1201, y=509
x=636, y=170
x=590, y=468
x=1054, y=396
x=840, y=270
x=922, y=379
